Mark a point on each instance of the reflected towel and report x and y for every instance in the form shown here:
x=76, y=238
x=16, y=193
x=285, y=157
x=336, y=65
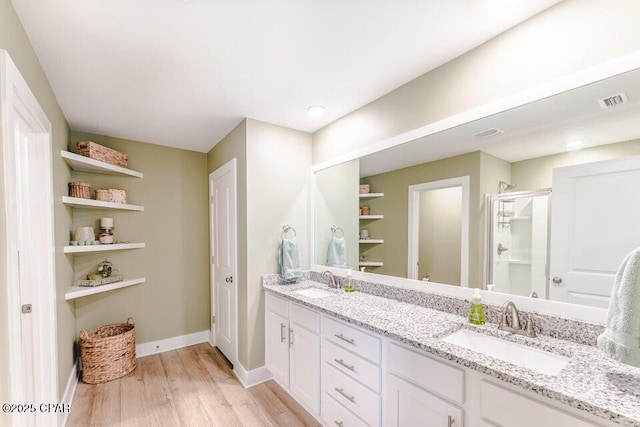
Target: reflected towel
x=337, y=254
x=289, y=260
x=621, y=338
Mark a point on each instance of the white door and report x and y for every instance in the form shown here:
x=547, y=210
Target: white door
x=222, y=190
x=30, y=249
x=594, y=225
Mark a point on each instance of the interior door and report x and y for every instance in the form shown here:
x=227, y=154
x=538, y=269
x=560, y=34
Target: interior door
x=594, y=225
x=222, y=187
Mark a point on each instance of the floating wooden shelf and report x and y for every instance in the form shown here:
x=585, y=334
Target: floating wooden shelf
x=85, y=164
x=371, y=216
x=100, y=248
x=371, y=195
x=370, y=263
x=77, y=202
x=372, y=241
x=80, y=291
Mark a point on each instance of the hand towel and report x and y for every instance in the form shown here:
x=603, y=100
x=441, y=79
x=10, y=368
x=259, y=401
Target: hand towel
x=621, y=338
x=289, y=260
x=337, y=253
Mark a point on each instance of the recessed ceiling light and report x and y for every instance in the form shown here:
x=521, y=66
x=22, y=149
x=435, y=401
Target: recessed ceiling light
x=574, y=145
x=315, y=110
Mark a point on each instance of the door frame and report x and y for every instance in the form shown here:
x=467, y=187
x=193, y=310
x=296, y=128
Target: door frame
x=230, y=166
x=14, y=94
x=414, y=221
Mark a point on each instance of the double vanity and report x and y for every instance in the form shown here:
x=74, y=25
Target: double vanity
x=385, y=356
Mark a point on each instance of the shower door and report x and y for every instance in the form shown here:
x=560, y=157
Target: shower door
x=517, y=249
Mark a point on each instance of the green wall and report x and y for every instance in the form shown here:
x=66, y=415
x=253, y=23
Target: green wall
x=174, y=300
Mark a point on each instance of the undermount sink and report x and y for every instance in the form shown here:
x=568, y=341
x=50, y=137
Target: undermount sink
x=314, y=293
x=518, y=354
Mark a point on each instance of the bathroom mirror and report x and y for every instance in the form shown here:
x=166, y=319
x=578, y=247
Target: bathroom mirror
x=524, y=150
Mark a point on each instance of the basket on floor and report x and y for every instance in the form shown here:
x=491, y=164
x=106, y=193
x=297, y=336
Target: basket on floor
x=108, y=352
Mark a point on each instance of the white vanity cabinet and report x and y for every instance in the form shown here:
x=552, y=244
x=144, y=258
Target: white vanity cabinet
x=351, y=375
x=420, y=389
x=293, y=349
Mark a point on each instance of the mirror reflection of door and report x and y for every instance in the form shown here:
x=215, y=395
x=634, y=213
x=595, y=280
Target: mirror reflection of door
x=438, y=231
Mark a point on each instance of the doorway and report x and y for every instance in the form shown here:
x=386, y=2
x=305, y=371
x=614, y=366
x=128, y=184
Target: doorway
x=224, y=268
x=30, y=247
x=439, y=231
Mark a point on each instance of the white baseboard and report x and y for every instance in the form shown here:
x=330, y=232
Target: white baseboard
x=160, y=346
x=69, y=392
x=252, y=377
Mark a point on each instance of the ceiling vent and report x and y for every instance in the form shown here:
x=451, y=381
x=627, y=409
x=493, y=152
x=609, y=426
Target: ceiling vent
x=489, y=133
x=614, y=100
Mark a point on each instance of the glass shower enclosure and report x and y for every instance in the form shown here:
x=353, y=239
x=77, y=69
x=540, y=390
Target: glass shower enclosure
x=517, y=249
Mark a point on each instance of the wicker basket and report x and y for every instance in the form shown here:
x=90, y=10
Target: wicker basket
x=108, y=352
x=100, y=152
x=112, y=195
x=81, y=190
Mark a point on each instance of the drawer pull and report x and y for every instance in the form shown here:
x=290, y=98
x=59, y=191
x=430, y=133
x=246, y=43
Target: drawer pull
x=341, y=363
x=350, y=398
x=450, y=421
x=281, y=332
x=339, y=423
x=290, y=337
x=343, y=338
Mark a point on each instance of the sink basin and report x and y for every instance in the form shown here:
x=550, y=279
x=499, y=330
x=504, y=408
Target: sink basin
x=518, y=354
x=314, y=293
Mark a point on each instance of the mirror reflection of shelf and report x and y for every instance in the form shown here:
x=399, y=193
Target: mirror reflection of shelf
x=371, y=241
x=371, y=216
x=370, y=264
x=519, y=218
x=371, y=195
x=80, y=291
x=519, y=262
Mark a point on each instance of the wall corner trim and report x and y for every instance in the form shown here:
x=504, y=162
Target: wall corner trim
x=252, y=377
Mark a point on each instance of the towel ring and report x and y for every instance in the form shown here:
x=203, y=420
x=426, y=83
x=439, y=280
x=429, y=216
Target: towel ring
x=335, y=229
x=286, y=228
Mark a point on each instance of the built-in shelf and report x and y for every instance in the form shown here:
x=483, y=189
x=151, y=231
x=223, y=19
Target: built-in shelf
x=519, y=218
x=85, y=164
x=370, y=264
x=372, y=241
x=519, y=262
x=371, y=195
x=371, y=216
x=77, y=202
x=80, y=291
x=100, y=248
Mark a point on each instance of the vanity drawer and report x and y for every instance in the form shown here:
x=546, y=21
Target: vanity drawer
x=306, y=318
x=278, y=305
x=426, y=372
x=355, y=366
x=353, y=395
x=352, y=339
x=334, y=414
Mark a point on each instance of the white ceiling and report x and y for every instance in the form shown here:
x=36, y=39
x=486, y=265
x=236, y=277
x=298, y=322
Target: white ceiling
x=538, y=129
x=184, y=73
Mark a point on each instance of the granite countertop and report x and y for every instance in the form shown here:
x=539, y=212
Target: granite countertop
x=591, y=382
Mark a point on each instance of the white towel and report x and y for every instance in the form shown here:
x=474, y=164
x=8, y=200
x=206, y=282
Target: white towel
x=289, y=260
x=621, y=338
x=337, y=253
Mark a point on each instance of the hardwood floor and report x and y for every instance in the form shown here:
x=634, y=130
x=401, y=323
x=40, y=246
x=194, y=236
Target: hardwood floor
x=189, y=387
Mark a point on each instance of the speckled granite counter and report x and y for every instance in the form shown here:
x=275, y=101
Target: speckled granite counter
x=591, y=382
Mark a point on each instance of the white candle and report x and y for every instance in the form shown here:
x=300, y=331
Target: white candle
x=106, y=222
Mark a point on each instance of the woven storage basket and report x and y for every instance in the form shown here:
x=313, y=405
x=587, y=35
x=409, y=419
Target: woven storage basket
x=112, y=195
x=81, y=190
x=100, y=152
x=108, y=352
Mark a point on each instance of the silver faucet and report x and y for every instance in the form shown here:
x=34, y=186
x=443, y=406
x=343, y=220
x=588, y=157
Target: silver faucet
x=334, y=282
x=509, y=307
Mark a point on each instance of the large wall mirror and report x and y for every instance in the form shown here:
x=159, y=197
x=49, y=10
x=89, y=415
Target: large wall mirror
x=540, y=200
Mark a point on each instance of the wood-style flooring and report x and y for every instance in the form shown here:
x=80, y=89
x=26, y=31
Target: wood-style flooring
x=191, y=387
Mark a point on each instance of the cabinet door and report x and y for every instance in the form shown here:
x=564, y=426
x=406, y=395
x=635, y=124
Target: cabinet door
x=409, y=405
x=305, y=366
x=277, y=347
